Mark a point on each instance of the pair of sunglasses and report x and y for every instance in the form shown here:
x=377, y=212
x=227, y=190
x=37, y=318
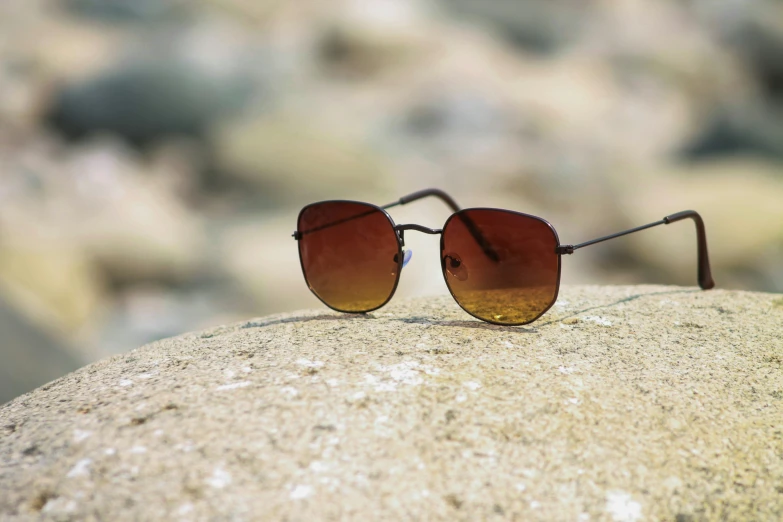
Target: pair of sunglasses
x=501, y=266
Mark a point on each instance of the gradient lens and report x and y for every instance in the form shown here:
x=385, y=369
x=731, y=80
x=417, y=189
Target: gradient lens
x=501, y=266
x=350, y=254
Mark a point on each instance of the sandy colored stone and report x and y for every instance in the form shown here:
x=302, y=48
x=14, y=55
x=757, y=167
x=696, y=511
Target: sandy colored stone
x=621, y=403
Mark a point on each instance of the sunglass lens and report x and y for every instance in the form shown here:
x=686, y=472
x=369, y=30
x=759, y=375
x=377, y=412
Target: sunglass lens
x=501, y=266
x=350, y=254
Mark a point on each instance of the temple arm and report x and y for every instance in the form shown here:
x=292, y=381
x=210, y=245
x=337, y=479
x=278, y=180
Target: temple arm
x=705, y=274
x=423, y=194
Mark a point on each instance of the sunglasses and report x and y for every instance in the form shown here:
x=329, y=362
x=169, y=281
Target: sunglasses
x=501, y=266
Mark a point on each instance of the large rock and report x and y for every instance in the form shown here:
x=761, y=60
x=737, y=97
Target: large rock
x=622, y=403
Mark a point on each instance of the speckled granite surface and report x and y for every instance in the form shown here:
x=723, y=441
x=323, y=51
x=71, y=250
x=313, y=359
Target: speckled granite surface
x=621, y=403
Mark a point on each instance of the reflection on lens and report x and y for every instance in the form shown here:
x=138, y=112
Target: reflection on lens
x=349, y=253
x=513, y=287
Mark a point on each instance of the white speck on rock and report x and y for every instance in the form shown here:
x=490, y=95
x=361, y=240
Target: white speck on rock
x=234, y=385
x=535, y=504
x=157, y=433
x=461, y=397
x=247, y=369
x=289, y=390
x=126, y=382
x=59, y=505
x=358, y=396
x=508, y=344
x=472, y=385
x=220, y=478
x=80, y=435
x=333, y=382
x=566, y=370
x=81, y=469
x=301, y=491
x=309, y=364
x=520, y=487
x=317, y=466
x=573, y=400
x=187, y=447
x=109, y=451
x=138, y=450
x=230, y=374
x=379, y=385
x=598, y=320
x=185, y=509
x=622, y=507
x=404, y=373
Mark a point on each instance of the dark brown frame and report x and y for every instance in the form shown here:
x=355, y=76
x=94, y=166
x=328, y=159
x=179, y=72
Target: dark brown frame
x=704, y=272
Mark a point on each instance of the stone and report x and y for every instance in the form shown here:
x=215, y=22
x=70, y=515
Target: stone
x=656, y=403
x=290, y=156
x=31, y=357
x=146, y=100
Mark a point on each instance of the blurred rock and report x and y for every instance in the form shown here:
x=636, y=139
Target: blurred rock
x=297, y=158
x=146, y=313
x=372, y=37
x=145, y=102
x=54, y=283
x=755, y=30
x=29, y=356
x=262, y=259
x=127, y=10
x=95, y=199
x=542, y=26
x=754, y=130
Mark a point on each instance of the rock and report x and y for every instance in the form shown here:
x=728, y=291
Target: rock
x=96, y=199
x=124, y=11
x=143, y=102
x=170, y=80
x=291, y=156
x=54, y=284
x=538, y=26
x=621, y=403
x=740, y=129
x=31, y=357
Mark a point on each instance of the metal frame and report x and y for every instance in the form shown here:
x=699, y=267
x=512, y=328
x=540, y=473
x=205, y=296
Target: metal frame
x=704, y=272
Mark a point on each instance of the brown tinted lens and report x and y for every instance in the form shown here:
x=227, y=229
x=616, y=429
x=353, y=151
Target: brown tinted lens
x=349, y=254
x=500, y=266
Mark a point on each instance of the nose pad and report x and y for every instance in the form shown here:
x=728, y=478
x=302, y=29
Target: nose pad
x=406, y=257
x=454, y=266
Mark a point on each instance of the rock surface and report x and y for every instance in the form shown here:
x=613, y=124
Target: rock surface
x=621, y=403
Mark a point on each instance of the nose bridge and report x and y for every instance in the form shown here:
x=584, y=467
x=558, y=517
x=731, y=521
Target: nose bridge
x=418, y=228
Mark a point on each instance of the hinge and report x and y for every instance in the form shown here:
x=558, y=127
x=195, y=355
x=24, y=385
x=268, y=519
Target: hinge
x=296, y=235
x=564, y=249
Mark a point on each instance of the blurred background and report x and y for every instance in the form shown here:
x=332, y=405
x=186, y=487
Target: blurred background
x=154, y=154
